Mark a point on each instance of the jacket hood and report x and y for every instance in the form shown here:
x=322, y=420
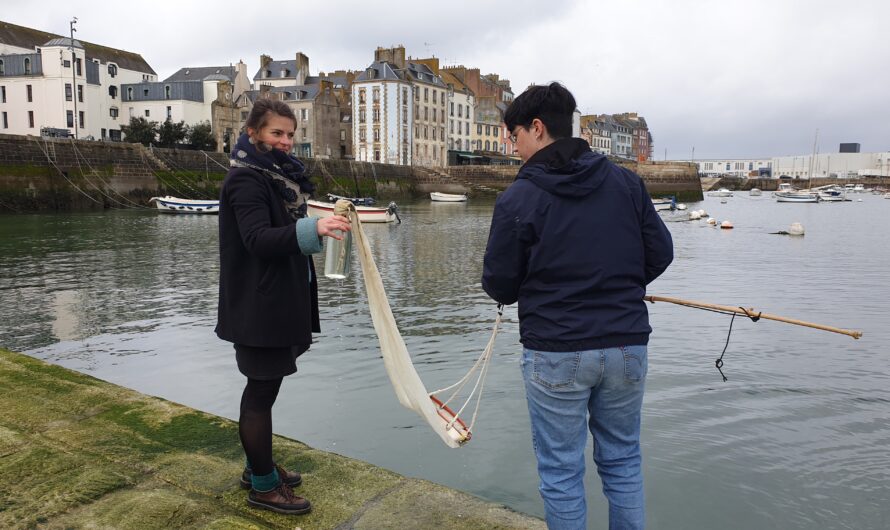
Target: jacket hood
x=569, y=168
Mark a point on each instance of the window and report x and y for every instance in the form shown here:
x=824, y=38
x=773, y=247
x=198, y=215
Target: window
x=113, y=112
x=727, y=166
x=487, y=145
x=112, y=91
x=66, y=63
x=494, y=146
x=78, y=64
x=68, y=92
x=69, y=117
x=361, y=116
x=434, y=95
x=80, y=118
x=80, y=93
x=166, y=91
x=426, y=95
x=417, y=95
x=2, y=94
x=304, y=114
x=5, y=121
x=361, y=95
x=434, y=112
x=376, y=115
x=129, y=93
x=451, y=112
x=404, y=114
x=377, y=155
x=2, y=67
x=426, y=132
x=426, y=113
x=405, y=96
x=376, y=95
x=27, y=66
x=31, y=119
x=30, y=93
x=303, y=132
x=147, y=113
x=169, y=113
x=342, y=135
x=488, y=130
x=285, y=72
x=244, y=114
x=434, y=130
x=145, y=92
x=362, y=135
x=434, y=150
x=479, y=128
x=376, y=135
x=460, y=111
x=112, y=70
x=451, y=127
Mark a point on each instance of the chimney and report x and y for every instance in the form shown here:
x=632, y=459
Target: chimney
x=394, y=56
x=264, y=66
x=302, y=68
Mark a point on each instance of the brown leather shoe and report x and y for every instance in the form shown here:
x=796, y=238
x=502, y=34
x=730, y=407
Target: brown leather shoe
x=291, y=478
x=281, y=500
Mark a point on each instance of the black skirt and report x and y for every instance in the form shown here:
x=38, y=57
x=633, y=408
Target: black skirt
x=267, y=363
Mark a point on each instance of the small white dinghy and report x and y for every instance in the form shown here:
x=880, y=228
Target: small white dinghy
x=169, y=204
x=447, y=197
x=367, y=214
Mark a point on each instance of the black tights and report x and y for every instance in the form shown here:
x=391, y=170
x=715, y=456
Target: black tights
x=255, y=423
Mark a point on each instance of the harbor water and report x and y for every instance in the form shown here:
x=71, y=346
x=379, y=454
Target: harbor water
x=797, y=437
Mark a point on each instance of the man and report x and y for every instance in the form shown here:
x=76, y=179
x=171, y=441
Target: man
x=575, y=240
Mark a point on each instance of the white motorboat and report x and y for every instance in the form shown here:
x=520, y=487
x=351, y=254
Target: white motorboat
x=796, y=196
x=447, y=197
x=169, y=204
x=887, y=195
x=831, y=193
x=366, y=214
x=755, y=192
x=858, y=188
x=722, y=192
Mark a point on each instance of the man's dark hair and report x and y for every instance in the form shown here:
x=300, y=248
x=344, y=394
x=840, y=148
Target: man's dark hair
x=553, y=104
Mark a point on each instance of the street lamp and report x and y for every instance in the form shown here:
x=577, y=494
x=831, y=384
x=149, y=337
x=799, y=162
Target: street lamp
x=74, y=73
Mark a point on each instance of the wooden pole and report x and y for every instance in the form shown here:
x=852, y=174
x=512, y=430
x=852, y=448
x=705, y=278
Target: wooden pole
x=751, y=312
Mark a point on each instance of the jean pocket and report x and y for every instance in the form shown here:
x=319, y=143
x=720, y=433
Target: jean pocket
x=556, y=369
x=636, y=363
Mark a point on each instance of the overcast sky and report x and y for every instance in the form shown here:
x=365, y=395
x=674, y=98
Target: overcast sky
x=730, y=78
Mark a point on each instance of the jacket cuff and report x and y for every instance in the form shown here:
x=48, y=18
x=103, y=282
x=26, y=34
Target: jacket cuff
x=307, y=235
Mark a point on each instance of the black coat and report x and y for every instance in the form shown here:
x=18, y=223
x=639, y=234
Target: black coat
x=266, y=298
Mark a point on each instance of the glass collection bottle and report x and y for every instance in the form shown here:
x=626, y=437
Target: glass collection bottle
x=339, y=251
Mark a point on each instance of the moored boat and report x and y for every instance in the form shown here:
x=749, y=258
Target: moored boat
x=447, y=197
x=170, y=204
x=722, y=192
x=366, y=214
x=664, y=203
x=755, y=192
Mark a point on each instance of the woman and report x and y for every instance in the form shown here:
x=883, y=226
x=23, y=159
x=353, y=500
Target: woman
x=268, y=299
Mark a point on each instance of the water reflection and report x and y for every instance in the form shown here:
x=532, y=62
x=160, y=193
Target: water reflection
x=796, y=439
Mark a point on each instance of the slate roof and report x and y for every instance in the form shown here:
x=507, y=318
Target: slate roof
x=275, y=67
x=29, y=38
x=308, y=92
x=201, y=73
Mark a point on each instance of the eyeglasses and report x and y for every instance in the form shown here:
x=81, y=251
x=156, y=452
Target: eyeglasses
x=512, y=136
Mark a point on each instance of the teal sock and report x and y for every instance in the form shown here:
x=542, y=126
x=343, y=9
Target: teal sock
x=265, y=483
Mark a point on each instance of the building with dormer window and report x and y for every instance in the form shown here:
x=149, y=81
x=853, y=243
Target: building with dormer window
x=49, y=82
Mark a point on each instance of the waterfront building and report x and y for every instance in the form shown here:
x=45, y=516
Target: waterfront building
x=49, y=82
x=193, y=95
x=488, y=119
x=641, y=138
x=842, y=165
x=461, y=102
x=621, y=135
x=399, y=111
x=595, y=132
x=734, y=167
x=322, y=104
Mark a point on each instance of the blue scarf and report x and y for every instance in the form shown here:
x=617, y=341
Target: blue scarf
x=287, y=173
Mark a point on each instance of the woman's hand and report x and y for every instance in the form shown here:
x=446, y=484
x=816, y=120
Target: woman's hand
x=333, y=226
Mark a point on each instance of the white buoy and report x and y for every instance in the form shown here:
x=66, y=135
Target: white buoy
x=796, y=229
x=694, y=215
x=712, y=221
x=726, y=225
x=681, y=206
x=703, y=213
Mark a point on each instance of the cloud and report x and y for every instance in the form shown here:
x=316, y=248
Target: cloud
x=734, y=78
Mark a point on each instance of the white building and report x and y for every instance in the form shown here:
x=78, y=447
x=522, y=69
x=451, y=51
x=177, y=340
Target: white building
x=833, y=165
x=461, y=102
x=399, y=112
x=734, y=167
x=48, y=81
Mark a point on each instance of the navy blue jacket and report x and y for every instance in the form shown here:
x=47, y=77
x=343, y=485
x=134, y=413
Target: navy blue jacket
x=575, y=240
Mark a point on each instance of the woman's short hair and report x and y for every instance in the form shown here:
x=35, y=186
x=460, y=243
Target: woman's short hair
x=553, y=104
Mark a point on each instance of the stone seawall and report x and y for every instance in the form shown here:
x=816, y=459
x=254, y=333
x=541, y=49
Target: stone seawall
x=662, y=178
x=54, y=174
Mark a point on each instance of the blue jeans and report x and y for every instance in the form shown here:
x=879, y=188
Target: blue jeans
x=569, y=392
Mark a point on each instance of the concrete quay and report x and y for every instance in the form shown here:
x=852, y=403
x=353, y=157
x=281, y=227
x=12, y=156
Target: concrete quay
x=78, y=452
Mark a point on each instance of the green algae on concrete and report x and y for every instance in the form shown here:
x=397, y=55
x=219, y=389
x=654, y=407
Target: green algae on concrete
x=77, y=452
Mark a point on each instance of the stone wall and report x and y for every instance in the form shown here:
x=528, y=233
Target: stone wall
x=674, y=178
